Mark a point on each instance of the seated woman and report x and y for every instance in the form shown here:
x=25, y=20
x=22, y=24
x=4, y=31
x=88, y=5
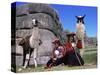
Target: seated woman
x=57, y=54
x=72, y=58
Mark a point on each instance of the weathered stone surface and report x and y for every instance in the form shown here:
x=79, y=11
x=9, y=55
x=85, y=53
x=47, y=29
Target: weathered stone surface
x=50, y=28
x=23, y=22
x=22, y=33
x=35, y=8
x=19, y=60
x=26, y=21
x=41, y=60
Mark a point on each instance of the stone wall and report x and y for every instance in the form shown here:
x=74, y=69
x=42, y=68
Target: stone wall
x=50, y=28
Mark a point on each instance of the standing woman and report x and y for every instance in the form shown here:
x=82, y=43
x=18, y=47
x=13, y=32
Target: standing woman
x=72, y=58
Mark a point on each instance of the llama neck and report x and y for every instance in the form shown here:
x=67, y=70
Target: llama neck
x=80, y=26
x=34, y=39
x=35, y=33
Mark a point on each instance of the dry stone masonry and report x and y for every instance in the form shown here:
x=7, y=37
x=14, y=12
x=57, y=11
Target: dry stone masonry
x=50, y=28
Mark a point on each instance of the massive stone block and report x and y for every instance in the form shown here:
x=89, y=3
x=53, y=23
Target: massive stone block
x=50, y=28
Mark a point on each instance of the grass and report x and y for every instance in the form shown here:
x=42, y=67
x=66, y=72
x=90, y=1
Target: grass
x=57, y=68
x=90, y=58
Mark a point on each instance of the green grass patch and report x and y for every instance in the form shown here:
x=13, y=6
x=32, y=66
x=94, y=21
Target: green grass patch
x=90, y=56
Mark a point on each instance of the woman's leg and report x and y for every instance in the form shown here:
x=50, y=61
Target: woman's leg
x=58, y=61
x=49, y=63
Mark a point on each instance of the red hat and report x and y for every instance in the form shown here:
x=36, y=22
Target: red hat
x=71, y=34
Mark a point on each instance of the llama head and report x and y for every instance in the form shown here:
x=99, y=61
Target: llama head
x=80, y=19
x=35, y=22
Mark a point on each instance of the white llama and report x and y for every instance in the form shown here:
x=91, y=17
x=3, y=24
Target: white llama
x=80, y=31
x=35, y=40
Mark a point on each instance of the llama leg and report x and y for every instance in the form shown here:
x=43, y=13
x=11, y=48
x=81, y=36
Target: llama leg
x=31, y=50
x=35, y=57
x=82, y=50
x=26, y=61
x=83, y=43
x=24, y=56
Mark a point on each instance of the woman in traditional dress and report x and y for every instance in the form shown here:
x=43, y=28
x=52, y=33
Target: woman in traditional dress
x=72, y=58
x=57, y=54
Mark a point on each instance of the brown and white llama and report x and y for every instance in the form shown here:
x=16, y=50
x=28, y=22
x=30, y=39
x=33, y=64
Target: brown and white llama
x=31, y=44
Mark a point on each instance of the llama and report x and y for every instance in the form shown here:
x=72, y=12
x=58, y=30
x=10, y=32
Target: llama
x=30, y=44
x=35, y=39
x=80, y=31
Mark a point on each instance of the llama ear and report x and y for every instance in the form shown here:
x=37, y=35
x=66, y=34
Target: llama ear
x=84, y=15
x=76, y=16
